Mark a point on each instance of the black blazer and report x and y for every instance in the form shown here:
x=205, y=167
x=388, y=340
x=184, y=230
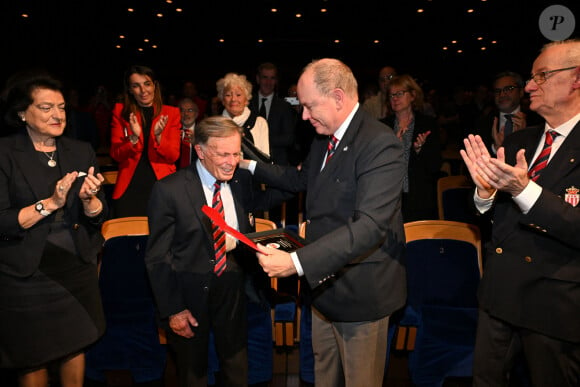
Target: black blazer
x=180, y=248
x=424, y=169
x=281, y=126
x=532, y=274
x=23, y=184
x=355, y=263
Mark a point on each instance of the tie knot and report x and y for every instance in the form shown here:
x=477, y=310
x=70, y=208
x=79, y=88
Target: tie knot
x=551, y=135
x=508, y=117
x=217, y=185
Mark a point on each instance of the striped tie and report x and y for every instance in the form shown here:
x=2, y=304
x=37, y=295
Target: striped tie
x=542, y=159
x=331, y=148
x=219, y=236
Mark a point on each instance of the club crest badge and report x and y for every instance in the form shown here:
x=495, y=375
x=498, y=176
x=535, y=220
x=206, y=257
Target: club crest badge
x=572, y=196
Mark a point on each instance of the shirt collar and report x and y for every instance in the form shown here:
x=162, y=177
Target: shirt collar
x=206, y=178
x=339, y=134
x=566, y=127
x=268, y=97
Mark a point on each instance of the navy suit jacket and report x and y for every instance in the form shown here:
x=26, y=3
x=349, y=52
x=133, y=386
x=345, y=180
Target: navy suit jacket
x=532, y=274
x=355, y=263
x=22, y=183
x=180, y=253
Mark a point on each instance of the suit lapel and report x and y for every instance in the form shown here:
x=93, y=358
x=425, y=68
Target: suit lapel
x=26, y=156
x=565, y=159
x=237, y=194
x=196, y=196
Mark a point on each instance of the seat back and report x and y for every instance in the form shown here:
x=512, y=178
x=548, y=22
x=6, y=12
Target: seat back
x=443, y=272
x=454, y=194
x=132, y=340
x=264, y=224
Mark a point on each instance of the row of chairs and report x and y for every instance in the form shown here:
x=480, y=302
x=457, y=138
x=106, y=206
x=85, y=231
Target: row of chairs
x=436, y=327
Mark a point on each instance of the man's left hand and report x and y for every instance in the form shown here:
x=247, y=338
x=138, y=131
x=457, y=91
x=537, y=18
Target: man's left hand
x=504, y=177
x=276, y=263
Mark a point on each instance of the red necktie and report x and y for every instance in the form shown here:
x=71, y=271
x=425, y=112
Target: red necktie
x=330, y=148
x=542, y=159
x=219, y=236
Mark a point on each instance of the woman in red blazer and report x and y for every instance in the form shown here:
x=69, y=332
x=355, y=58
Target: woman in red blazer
x=145, y=141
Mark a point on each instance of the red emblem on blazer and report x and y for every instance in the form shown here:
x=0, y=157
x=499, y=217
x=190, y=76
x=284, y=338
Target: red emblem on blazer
x=572, y=196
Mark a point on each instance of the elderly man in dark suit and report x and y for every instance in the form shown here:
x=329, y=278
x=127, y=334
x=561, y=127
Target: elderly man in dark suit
x=195, y=274
x=530, y=291
x=354, y=264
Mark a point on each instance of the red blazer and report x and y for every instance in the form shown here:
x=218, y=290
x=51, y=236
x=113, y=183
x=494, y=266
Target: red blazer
x=162, y=156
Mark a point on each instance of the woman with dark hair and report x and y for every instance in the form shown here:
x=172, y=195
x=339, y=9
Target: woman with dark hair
x=421, y=148
x=51, y=210
x=145, y=141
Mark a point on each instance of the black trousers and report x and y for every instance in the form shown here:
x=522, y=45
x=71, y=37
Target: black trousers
x=223, y=311
x=550, y=362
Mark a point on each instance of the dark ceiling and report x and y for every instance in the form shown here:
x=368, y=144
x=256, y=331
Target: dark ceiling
x=77, y=39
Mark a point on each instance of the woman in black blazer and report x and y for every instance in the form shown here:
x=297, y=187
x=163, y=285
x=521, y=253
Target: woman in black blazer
x=421, y=148
x=51, y=210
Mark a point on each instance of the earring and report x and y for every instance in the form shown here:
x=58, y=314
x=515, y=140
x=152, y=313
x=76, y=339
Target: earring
x=22, y=118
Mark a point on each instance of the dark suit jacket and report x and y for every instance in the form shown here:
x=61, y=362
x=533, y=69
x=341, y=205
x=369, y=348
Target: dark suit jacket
x=23, y=184
x=281, y=124
x=424, y=169
x=355, y=262
x=484, y=124
x=180, y=250
x=532, y=274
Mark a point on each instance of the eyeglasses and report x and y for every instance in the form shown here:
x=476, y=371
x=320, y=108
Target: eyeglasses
x=187, y=110
x=387, y=77
x=542, y=76
x=398, y=94
x=505, y=90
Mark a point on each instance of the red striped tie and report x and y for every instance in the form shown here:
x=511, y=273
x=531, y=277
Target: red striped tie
x=219, y=236
x=542, y=159
x=331, y=148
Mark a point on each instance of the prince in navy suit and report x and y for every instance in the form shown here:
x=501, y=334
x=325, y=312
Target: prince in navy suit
x=354, y=264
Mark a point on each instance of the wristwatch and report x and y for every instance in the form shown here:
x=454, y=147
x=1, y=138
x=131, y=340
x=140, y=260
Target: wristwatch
x=40, y=208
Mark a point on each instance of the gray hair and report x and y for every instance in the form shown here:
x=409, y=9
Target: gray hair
x=215, y=126
x=232, y=80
